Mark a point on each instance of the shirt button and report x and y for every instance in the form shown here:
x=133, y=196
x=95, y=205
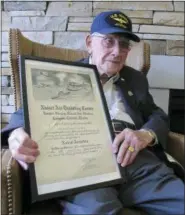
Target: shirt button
x=130, y=93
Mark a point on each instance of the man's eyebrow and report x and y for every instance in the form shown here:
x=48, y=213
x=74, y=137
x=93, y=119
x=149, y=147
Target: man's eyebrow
x=119, y=38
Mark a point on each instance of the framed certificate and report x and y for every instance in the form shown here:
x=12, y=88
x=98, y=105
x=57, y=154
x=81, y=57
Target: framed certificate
x=65, y=112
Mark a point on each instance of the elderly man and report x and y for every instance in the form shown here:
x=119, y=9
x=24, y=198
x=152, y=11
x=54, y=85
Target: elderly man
x=151, y=185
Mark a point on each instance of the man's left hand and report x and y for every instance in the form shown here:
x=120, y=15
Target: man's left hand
x=128, y=143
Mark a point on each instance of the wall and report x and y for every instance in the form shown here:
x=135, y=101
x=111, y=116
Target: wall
x=65, y=24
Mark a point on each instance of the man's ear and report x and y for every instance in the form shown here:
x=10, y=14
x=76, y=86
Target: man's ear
x=89, y=43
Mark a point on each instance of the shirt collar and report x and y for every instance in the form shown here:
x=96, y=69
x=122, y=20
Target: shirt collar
x=114, y=78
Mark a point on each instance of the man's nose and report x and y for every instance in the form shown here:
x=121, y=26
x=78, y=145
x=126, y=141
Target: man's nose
x=116, y=49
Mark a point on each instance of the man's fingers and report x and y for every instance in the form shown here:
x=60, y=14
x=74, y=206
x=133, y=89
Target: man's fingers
x=117, y=141
x=15, y=145
x=23, y=138
x=27, y=141
x=28, y=151
x=126, y=158
x=127, y=137
x=30, y=143
x=22, y=157
x=122, y=151
x=34, y=144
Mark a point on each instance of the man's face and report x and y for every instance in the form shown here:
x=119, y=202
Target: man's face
x=108, y=52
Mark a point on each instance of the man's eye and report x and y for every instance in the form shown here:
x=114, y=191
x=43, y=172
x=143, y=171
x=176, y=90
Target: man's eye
x=124, y=45
x=109, y=40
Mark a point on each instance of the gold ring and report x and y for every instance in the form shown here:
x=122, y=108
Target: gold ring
x=131, y=149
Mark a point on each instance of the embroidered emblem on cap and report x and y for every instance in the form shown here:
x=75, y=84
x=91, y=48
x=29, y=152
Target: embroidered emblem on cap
x=118, y=20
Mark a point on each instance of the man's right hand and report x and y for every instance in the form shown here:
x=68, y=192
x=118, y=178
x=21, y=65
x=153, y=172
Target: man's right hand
x=22, y=147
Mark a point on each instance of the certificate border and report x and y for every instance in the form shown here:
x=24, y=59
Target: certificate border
x=34, y=191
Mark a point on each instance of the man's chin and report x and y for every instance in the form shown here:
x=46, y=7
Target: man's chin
x=112, y=71
x=109, y=70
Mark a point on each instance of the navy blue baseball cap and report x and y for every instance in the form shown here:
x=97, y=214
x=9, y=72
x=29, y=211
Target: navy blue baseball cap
x=114, y=22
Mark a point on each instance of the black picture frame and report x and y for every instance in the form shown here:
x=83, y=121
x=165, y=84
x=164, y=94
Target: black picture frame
x=35, y=196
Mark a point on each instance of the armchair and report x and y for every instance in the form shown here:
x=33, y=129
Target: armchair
x=11, y=173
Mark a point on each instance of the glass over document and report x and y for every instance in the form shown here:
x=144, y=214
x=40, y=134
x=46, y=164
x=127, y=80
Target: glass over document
x=65, y=112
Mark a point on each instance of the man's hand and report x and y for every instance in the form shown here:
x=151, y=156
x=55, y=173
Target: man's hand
x=22, y=147
x=130, y=139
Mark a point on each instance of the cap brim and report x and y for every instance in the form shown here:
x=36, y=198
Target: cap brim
x=127, y=34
